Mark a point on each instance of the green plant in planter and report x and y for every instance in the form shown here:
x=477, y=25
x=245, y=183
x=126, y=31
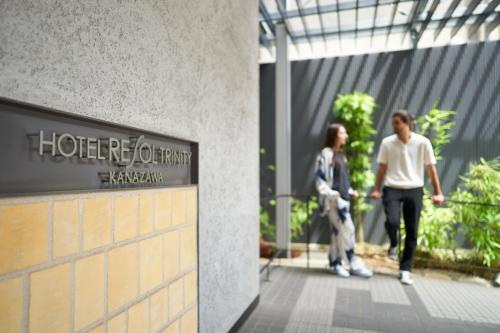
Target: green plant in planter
x=355, y=111
x=267, y=230
x=299, y=215
x=436, y=125
x=481, y=223
x=436, y=226
x=436, y=223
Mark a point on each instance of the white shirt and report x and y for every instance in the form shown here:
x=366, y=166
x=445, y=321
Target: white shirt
x=405, y=161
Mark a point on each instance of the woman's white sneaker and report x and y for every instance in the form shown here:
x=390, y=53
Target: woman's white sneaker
x=339, y=270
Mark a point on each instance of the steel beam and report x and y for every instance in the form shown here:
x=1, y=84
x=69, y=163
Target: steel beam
x=447, y=16
x=392, y=21
x=283, y=140
x=493, y=24
x=395, y=27
x=304, y=23
x=321, y=24
x=333, y=8
x=427, y=20
x=416, y=9
x=468, y=12
x=373, y=23
x=480, y=20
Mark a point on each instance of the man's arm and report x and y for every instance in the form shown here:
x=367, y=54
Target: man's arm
x=378, y=183
x=438, y=197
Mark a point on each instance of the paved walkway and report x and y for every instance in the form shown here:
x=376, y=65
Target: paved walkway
x=302, y=300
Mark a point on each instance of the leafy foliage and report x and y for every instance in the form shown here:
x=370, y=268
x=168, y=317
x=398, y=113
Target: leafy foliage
x=436, y=125
x=267, y=230
x=436, y=223
x=436, y=227
x=355, y=113
x=481, y=223
x=299, y=215
x=298, y=211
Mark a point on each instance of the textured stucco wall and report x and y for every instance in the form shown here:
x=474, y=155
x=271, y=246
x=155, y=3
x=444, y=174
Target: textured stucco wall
x=183, y=68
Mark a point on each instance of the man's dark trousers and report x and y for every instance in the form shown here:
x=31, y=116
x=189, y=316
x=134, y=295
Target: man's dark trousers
x=411, y=199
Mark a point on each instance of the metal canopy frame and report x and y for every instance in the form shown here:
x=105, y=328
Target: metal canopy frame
x=423, y=16
x=480, y=20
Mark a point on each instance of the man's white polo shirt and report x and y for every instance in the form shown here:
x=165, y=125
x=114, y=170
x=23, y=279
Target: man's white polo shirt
x=405, y=161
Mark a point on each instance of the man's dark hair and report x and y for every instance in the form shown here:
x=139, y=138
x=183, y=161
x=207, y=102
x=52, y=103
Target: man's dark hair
x=405, y=116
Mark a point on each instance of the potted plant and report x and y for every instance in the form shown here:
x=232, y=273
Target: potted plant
x=267, y=232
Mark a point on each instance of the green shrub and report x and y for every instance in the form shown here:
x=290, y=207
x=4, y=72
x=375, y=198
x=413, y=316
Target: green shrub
x=355, y=113
x=299, y=215
x=436, y=229
x=436, y=125
x=267, y=230
x=480, y=223
x=436, y=223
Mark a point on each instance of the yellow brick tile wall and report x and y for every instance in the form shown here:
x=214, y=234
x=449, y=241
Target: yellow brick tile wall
x=191, y=205
x=23, y=236
x=175, y=298
x=124, y=261
x=188, y=322
x=190, y=290
x=173, y=328
x=138, y=317
x=171, y=254
x=188, y=248
x=123, y=275
x=145, y=213
x=118, y=324
x=96, y=222
x=49, y=309
x=65, y=229
x=98, y=329
x=163, y=211
x=126, y=217
x=151, y=270
x=159, y=309
x=89, y=290
x=11, y=305
x=179, y=207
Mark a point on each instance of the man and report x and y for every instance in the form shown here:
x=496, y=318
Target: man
x=401, y=162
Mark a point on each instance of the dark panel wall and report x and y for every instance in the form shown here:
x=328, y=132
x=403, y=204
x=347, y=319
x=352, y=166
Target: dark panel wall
x=463, y=78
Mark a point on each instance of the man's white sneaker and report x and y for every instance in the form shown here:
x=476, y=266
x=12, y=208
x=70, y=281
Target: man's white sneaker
x=339, y=270
x=362, y=271
x=405, y=278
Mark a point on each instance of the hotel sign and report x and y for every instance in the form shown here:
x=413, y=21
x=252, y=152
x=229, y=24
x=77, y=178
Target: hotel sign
x=45, y=151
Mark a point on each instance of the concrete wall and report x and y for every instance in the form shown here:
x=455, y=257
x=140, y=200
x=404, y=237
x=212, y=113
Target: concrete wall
x=182, y=68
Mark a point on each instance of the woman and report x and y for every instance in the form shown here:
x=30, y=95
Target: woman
x=332, y=183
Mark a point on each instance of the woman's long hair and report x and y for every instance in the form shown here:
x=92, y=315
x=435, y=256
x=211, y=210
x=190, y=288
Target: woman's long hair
x=331, y=140
x=331, y=135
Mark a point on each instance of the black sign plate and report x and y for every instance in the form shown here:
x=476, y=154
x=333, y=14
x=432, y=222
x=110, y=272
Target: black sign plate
x=44, y=150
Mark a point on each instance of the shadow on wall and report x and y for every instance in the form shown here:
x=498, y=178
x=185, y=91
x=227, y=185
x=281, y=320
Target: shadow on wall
x=463, y=78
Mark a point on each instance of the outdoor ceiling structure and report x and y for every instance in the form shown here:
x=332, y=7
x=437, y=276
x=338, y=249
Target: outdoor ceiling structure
x=327, y=28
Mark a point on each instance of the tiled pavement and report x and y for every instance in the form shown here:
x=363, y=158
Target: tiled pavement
x=302, y=300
